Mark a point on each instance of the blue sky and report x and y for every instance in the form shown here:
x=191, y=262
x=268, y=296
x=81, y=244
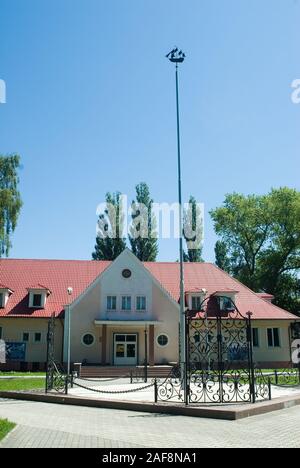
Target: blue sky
x=91, y=108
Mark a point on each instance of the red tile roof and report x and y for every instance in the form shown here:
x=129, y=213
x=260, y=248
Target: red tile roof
x=58, y=275
x=38, y=287
x=211, y=278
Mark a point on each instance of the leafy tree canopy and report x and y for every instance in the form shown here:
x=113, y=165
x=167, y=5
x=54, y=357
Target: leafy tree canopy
x=260, y=242
x=10, y=200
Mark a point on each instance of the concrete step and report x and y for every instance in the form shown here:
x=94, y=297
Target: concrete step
x=110, y=372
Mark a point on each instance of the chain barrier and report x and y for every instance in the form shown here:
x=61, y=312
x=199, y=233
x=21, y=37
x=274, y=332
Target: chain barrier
x=127, y=376
x=114, y=391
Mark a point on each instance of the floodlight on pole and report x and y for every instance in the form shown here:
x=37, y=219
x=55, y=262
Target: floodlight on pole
x=177, y=56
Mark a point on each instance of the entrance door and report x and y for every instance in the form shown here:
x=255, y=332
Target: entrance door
x=125, y=349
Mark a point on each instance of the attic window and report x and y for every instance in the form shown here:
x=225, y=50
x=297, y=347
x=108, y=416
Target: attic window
x=37, y=300
x=196, y=302
x=226, y=303
x=4, y=296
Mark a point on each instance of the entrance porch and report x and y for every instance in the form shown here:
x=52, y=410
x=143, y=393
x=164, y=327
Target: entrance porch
x=127, y=343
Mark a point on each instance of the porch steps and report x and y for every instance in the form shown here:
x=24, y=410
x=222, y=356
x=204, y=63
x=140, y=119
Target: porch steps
x=89, y=372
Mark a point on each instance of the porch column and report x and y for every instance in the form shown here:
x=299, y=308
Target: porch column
x=151, y=345
x=104, y=338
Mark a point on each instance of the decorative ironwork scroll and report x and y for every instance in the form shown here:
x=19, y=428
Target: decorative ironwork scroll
x=56, y=379
x=219, y=359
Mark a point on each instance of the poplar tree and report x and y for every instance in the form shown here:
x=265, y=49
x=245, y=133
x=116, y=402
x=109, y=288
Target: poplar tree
x=10, y=200
x=143, y=235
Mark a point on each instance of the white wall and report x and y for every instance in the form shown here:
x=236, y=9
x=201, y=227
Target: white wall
x=113, y=284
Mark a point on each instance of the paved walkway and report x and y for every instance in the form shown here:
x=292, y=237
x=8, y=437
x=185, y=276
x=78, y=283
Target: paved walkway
x=49, y=425
x=146, y=394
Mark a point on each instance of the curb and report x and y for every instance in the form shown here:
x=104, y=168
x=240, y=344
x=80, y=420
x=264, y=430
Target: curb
x=229, y=413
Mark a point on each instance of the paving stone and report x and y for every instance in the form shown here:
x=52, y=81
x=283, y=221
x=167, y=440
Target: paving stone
x=49, y=425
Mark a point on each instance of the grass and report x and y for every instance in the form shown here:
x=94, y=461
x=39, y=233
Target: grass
x=16, y=384
x=5, y=427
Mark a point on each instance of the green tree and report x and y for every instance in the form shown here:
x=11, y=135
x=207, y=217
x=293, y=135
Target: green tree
x=261, y=235
x=143, y=234
x=10, y=200
x=110, y=241
x=222, y=259
x=193, y=232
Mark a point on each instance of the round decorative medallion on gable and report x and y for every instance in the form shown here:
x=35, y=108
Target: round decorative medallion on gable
x=126, y=273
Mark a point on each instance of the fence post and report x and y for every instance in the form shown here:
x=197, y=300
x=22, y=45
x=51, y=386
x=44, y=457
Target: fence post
x=250, y=358
x=155, y=390
x=270, y=388
x=276, y=377
x=131, y=378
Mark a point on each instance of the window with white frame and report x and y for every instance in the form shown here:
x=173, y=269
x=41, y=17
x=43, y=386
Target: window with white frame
x=126, y=302
x=226, y=303
x=141, y=303
x=196, y=302
x=4, y=295
x=273, y=336
x=37, y=299
x=111, y=303
x=162, y=340
x=255, y=337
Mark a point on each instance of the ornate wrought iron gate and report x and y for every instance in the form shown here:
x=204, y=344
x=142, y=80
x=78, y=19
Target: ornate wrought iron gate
x=219, y=355
x=56, y=379
x=219, y=359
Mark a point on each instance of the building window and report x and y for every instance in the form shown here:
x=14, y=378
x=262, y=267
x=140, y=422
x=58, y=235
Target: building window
x=37, y=337
x=226, y=304
x=37, y=300
x=111, y=303
x=255, y=337
x=196, y=303
x=126, y=302
x=273, y=338
x=162, y=340
x=25, y=337
x=1, y=300
x=88, y=339
x=126, y=273
x=141, y=303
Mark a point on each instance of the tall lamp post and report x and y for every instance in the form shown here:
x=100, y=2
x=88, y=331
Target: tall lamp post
x=70, y=292
x=176, y=56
